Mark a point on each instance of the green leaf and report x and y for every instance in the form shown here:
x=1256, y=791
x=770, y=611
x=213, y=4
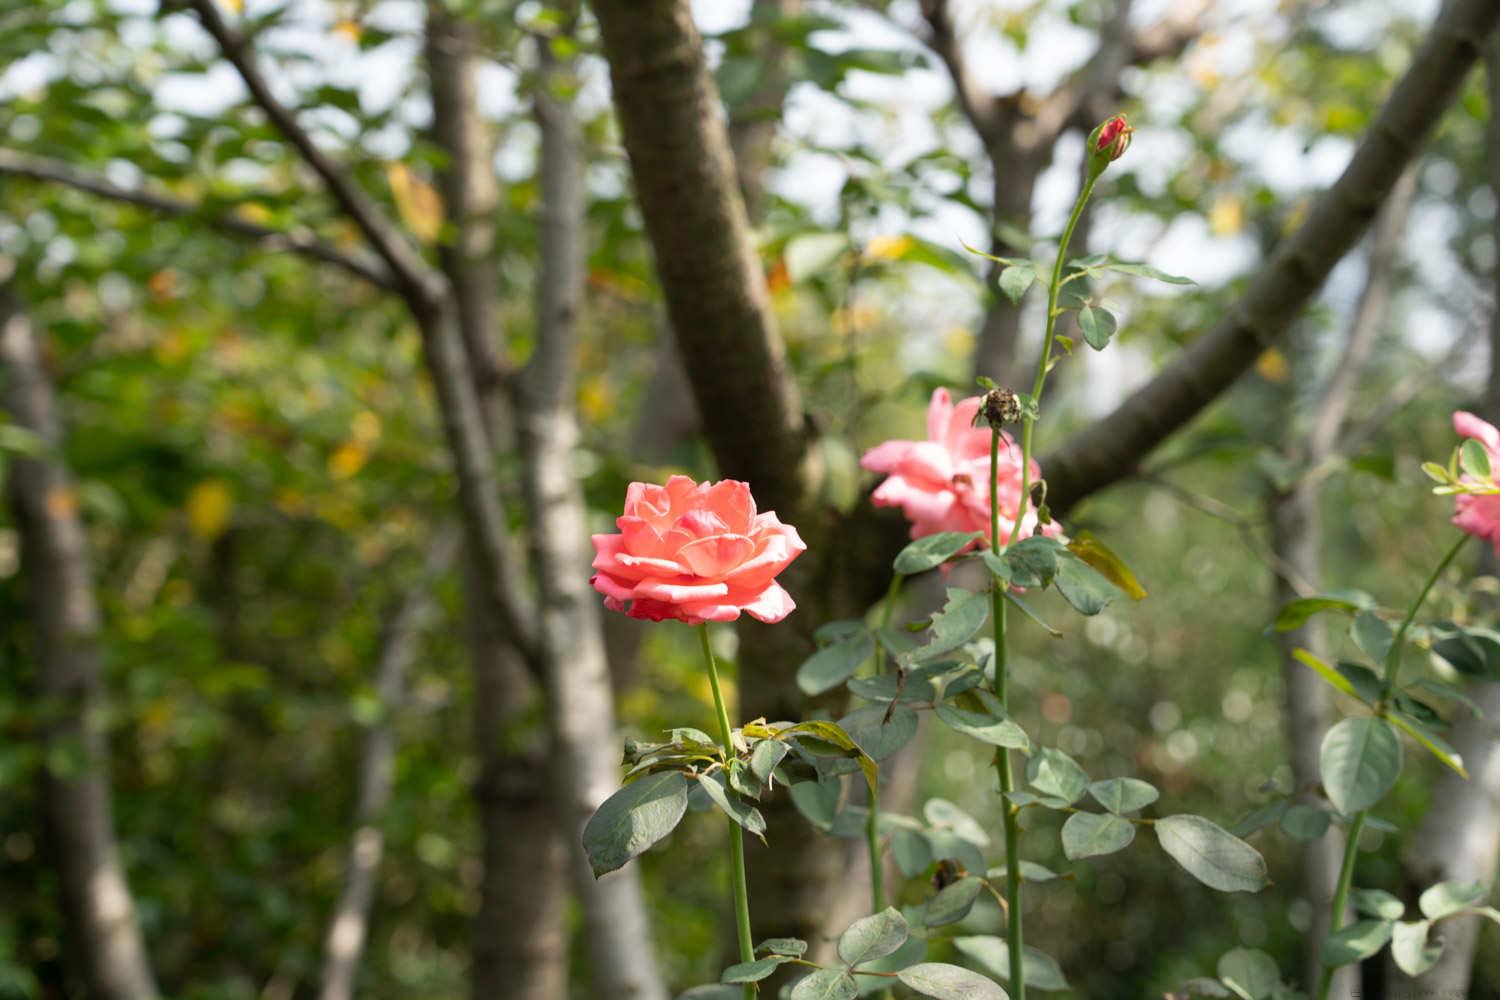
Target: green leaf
x=1202, y=986
x=1372, y=635
x=1356, y=942
x=1015, y=279
x=1377, y=903
x=1360, y=761
x=1367, y=686
x=818, y=800
x=949, y=982
x=953, y=902
x=713, y=991
x=874, y=735
x=1042, y=972
x=1296, y=613
x=873, y=937
x=1088, y=835
x=990, y=725
x=1030, y=872
x=826, y=984
x=959, y=621
x=1410, y=950
x=1252, y=972
x=813, y=253
x=1146, y=271
x=834, y=663
x=1260, y=817
x=634, y=818
x=944, y=814
x=1026, y=610
x=1305, y=822
x=1033, y=561
x=884, y=687
x=753, y=972
x=1474, y=459
x=1434, y=744
x=1104, y=559
x=833, y=733
x=1212, y=854
x=1083, y=586
x=1448, y=898
x=795, y=947
x=764, y=758
x=1123, y=795
x=912, y=852
x=1098, y=325
x=931, y=551
x=1053, y=772
x=731, y=804
x=1323, y=670
x=1474, y=650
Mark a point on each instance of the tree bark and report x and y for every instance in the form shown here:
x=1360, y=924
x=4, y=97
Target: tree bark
x=520, y=939
x=106, y=941
x=1460, y=836
x=580, y=702
x=1111, y=448
x=347, y=931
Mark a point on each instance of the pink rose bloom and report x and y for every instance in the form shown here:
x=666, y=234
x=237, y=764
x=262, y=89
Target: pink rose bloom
x=941, y=484
x=697, y=553
x=1479, y=515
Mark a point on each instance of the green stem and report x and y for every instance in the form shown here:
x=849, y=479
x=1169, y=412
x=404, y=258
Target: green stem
x=1392, y=671
x=1013, y=931
x=1028, y=422
x=1393, y=655
x=872, y=822
x=1341, y=894
x=736, y=835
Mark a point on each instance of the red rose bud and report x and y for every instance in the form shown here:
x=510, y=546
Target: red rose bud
x=1108, y=143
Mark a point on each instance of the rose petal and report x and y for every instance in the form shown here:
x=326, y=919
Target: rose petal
x=771, y=605
x=887, y=457
x=1479, y=516
x=716, y=556
x=679, y=591
x=732, y=502
x=1469, y=426
x=938, y=412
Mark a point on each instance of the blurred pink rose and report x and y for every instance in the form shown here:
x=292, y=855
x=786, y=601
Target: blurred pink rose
x=1479, y=515
x=941, y=484
x=697, y=553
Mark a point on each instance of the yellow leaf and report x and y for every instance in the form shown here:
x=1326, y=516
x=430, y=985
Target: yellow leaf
x=1272, y=366
x=365, y=427
x=1227, y=217
x=418, y=202
x=347, y=459
x=888, y=247
x=1100, y=556
x=209, y=505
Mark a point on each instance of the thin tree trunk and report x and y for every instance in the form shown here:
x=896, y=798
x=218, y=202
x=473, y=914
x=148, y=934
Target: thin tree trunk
x=580, y=702
x=1296, y=539
x=105, y=934
x=519, y=936
x=349, y=928
x=1460, y=835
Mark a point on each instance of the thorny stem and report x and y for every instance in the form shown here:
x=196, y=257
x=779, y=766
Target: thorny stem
x=736, y=835
x=1013, y=931
x=1351, y=844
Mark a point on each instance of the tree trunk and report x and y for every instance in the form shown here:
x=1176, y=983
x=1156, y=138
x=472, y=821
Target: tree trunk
x=347, y=931
x=1460, y=835
x=580, y=702
x=105, y=935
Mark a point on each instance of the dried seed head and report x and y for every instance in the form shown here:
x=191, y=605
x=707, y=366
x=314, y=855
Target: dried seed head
x=1000, y=407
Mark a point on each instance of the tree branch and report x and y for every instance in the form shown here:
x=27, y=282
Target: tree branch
x=979, y=106
x=347, y=931
x=77, y=809
x=298, y=241
x=413, y=276
x=1110, y=449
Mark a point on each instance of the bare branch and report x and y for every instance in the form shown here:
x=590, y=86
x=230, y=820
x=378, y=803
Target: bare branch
x=298, y=241
x=1110, y=449
x=413, y=277
x=979, y=106
x=347, y=931
x=76, y=801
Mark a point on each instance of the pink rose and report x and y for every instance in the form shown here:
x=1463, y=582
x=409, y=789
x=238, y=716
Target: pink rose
x=941, y=484
x=1479, y=515
x=697, y=553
